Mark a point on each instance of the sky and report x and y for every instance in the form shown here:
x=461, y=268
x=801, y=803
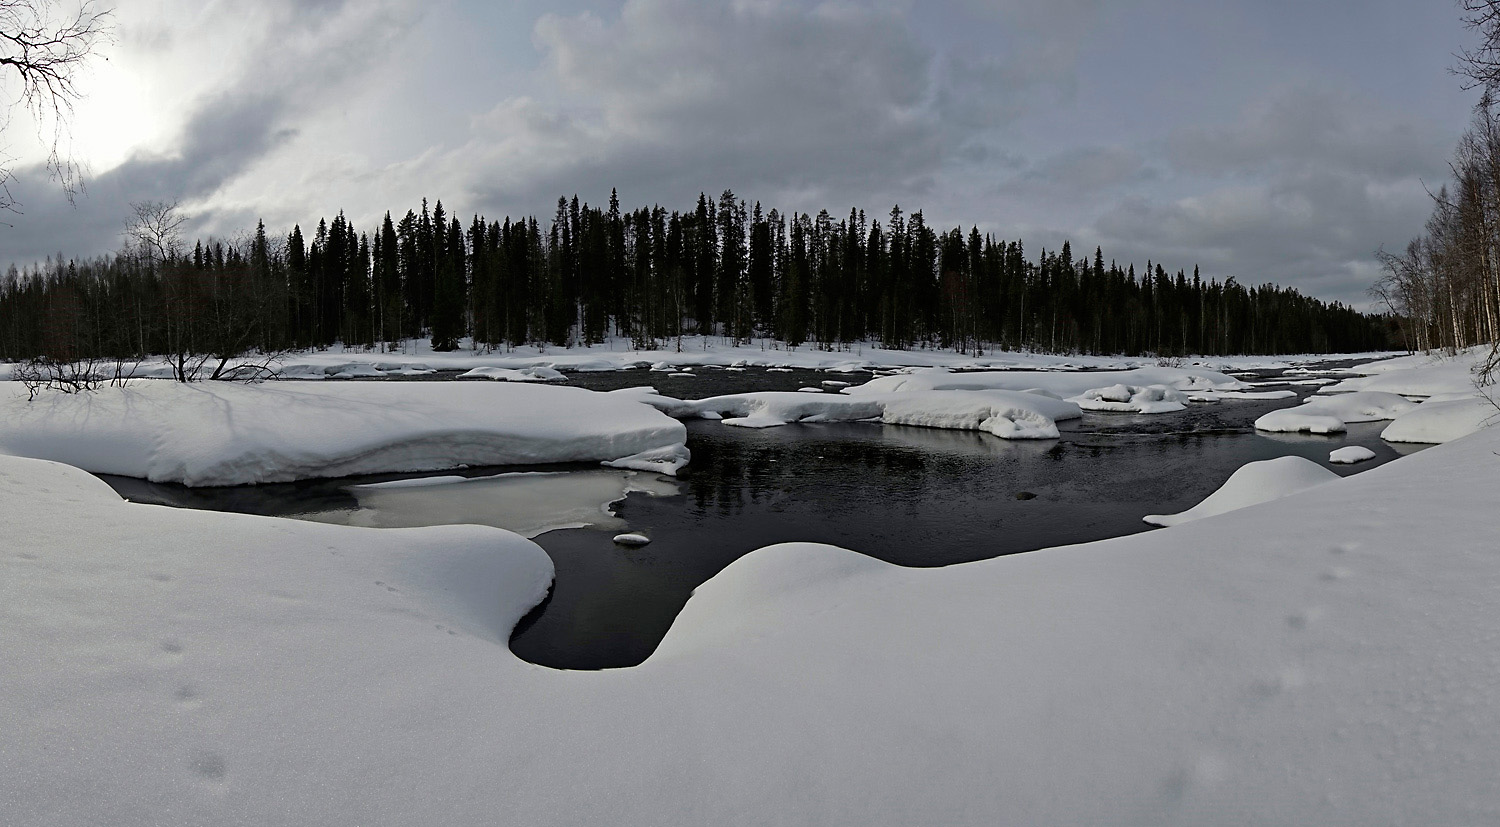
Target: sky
x=1269, y=140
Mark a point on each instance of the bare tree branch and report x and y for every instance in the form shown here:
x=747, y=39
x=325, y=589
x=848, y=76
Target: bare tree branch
x=42, y=51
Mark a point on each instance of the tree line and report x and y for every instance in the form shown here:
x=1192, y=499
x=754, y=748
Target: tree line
x=723, y=268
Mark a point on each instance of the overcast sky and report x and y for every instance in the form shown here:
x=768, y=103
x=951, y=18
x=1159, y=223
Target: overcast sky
x=1271, y=140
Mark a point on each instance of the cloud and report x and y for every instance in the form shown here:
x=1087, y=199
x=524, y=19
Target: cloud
x=795, y=103
x=1079, y=173
x=225, y=132
x=1306, y=127
x=1313, y=229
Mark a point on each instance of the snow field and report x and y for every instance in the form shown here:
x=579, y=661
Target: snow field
x=1290, y=663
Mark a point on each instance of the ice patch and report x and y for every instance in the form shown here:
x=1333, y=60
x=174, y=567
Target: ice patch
x=527, y=503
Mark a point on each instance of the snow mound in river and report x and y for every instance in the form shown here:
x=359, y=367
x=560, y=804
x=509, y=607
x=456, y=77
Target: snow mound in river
x=1070, y=384
x=215, y=433
x=1006, y=414
x=1329, y=415
x=1252, y=484
x=1151, y=399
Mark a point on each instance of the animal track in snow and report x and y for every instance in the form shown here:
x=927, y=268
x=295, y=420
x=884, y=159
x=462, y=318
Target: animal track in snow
x=209, y=764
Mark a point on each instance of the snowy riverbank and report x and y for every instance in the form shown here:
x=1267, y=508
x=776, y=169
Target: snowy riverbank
x=218, y=433
x=418, y=357
x=1324, y=658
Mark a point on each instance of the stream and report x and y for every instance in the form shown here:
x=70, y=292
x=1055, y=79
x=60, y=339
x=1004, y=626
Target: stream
x=906, y=495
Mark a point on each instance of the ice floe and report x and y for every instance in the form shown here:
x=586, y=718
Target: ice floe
x=528, y=503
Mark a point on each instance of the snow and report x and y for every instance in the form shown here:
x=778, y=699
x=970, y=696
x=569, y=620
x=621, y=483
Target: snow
x=1289, y=663
x=514, y=375
x=1417, y=375
x=1062, y=384
x=618, y=354
x=668, y=459
x=216, y=433
x=1350, y=454
x=1006, y=414
x=1442, y=421
x=1253, y=484
x=1329, y=414
x=632, y=539
x=1219, y=396
x=1152, y=399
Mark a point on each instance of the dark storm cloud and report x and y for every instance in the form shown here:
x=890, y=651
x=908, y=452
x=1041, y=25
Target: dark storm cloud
x=809, y=105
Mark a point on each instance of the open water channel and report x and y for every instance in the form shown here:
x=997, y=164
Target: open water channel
x=910, y=496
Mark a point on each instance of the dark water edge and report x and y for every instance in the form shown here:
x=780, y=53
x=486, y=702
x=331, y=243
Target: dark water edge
x=909, y=496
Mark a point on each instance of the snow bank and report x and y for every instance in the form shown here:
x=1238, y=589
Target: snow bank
x=618, y=354
x=1442, y=421
x=1419, y=374
x=514, y=375
x=1061, y=384
x=1006, y=414
x=1252, y=484
x=1329, y=414
x=1350, y=454
x=1294, y=663
x=1143, y=390
x=229, y=434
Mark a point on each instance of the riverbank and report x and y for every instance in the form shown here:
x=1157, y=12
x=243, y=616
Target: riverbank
x=1324, y=658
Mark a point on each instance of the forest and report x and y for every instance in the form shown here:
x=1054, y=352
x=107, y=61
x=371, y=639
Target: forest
x=723, y=268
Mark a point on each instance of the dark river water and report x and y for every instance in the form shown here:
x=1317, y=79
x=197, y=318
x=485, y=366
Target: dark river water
x=911, y=496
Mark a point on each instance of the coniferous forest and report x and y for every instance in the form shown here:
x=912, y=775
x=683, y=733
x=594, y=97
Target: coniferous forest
x=723, y=268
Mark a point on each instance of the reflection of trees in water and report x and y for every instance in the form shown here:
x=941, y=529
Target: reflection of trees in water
x=829, y=469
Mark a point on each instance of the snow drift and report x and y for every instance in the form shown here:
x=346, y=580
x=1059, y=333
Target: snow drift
x=1252, y=484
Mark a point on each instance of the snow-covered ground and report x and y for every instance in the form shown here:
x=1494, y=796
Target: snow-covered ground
x=1453, y=400
x=1324, y=658
x=415, y=358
